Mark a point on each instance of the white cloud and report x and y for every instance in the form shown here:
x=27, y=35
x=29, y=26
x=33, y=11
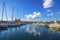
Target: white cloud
x=49, y=10
x=58, y=12
x=47, y=3
x=51, y=14
x=28, y=16
x=33, y=15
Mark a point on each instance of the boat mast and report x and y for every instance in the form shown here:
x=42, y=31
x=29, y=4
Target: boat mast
x=4, y=10
x=12, y=12
x=17, y=13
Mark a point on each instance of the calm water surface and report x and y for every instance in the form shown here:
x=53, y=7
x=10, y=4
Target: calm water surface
x=28, y=32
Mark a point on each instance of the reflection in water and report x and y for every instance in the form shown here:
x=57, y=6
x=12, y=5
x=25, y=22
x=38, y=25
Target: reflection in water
x=3, y=36
x=11, y=34
x=32, y=31
x=28, y=32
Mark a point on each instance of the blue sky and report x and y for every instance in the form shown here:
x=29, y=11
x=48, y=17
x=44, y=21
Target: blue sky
x=32, y=9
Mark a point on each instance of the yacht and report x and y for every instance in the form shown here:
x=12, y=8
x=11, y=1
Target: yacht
x=5, y=24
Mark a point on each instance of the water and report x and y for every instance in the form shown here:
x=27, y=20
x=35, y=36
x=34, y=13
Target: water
x=28, y=32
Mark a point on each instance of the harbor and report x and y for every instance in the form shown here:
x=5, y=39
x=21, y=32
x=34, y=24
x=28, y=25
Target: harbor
x=29, y=20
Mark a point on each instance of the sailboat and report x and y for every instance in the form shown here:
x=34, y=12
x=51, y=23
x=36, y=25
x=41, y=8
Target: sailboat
x=5, y=24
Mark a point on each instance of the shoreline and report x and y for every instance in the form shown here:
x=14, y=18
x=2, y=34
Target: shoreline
x=53, y=27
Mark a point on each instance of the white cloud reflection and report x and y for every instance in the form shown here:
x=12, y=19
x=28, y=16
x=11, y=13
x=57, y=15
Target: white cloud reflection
x=32, y=31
